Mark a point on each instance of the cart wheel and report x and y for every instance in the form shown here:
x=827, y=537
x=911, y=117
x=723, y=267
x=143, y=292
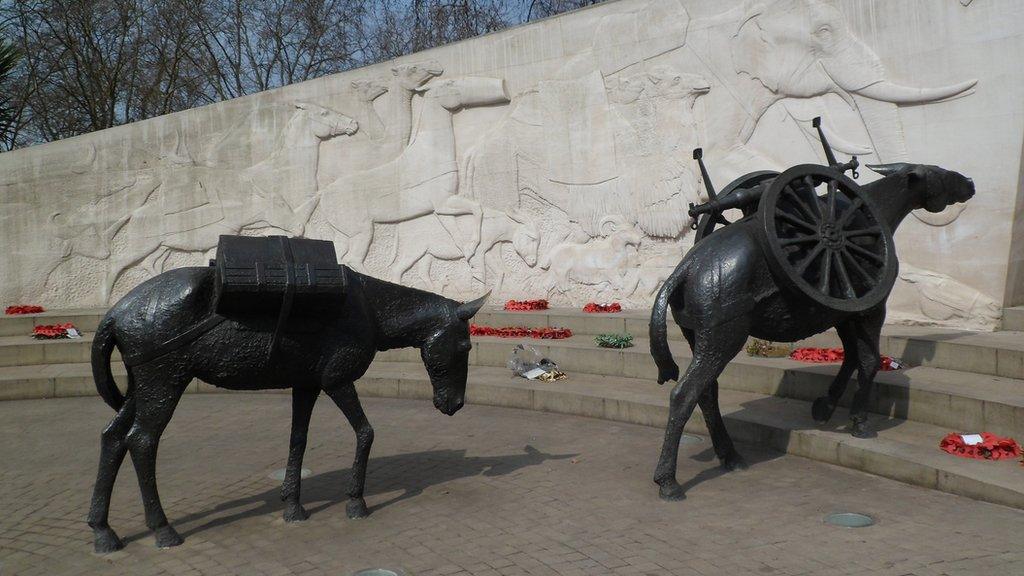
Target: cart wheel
x=707, y=223
x=824, y=239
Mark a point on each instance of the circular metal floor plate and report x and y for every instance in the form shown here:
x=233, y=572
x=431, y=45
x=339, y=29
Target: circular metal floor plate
x=849, y=520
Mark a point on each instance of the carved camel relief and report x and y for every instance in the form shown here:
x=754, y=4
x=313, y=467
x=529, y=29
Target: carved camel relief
x=381, y=138
x=228, y=200
x=422, y=180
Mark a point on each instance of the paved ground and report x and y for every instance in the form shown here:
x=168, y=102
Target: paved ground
x=489, y=492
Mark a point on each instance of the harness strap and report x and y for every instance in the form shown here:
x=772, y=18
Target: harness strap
x=186, y=337
x=286, y=298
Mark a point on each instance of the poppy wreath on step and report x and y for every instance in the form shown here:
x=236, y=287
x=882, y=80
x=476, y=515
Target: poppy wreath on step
x=52, y=331
x=825, y=355
x=525, y=305
x=543, y=333
x=595, y=308
x=991, y=447
x=24, y=309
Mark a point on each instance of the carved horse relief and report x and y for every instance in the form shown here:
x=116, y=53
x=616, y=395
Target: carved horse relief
x=381, y=137
x=198, y=203
x=423, y=180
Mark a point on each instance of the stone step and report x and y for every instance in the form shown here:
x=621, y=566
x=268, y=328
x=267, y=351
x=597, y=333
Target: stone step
x=957, y=401
x=960, y=401
x=903, y=450
x=993, y=353
x=1013, y=319
x=85, y=319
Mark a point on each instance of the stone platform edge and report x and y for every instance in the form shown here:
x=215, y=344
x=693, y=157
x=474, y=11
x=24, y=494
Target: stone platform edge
x=783, y=426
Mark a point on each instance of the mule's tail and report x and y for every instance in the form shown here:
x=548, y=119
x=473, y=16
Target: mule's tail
x=102, y=348
x=667, y=367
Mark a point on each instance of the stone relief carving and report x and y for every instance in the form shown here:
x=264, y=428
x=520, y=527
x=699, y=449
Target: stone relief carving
x=422, y=180
x=196, y=203
x=604, y=261
x=498, y=228
x=382, y=137
x=586, y=169
x=932, y=297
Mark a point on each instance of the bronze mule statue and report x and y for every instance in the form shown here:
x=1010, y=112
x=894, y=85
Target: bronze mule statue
x=727, y=289
x=375, y=315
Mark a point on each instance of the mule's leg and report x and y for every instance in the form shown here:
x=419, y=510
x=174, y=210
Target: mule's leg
x=713, y=349
x=870, y=359
x=346, y=398
x=824, y=406
x=112, y=451
x=156, y=397
x=720, y=439
x=303, y=400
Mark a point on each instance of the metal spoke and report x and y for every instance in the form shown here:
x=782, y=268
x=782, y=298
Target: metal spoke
x=810, y=259
x=866, y=254
x=844, y=276
x=850, y=211
x=799, y=240
x=858, y=269
x=803, y=207
x=795, y=221
x=832, y=193
x=873, y=231
x=826, y=269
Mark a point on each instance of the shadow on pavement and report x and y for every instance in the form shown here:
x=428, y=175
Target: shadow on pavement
x=411, y=473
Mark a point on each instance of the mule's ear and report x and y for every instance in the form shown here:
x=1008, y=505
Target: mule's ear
x=469, y=309
x=888, y=169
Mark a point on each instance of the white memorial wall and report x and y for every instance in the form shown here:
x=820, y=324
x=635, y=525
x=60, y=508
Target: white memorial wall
x=554, y=160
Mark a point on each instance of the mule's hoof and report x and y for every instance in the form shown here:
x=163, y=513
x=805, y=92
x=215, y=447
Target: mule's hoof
x=822, y=410
x=860, y=429
x=167, y=537
x=356, y=508
x=671, y=492
x=734, y=462
x=295, y=513
x=106, y=541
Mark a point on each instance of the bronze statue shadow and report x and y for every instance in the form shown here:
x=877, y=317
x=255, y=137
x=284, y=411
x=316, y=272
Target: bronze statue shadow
x=410, y=473
x=753, y=454
x=888, y=407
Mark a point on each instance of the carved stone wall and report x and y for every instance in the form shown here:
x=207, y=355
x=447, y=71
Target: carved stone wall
x=551, y=160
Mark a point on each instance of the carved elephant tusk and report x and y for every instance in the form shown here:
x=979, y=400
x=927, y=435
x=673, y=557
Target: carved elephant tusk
x=897, y=94
x=944, y=218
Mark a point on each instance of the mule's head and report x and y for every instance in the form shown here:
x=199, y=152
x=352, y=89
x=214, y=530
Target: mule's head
x=933, y=188
x=445, y=354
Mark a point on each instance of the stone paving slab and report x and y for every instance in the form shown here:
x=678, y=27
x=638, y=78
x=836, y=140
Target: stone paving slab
x=903, y=450
x=489, y=492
